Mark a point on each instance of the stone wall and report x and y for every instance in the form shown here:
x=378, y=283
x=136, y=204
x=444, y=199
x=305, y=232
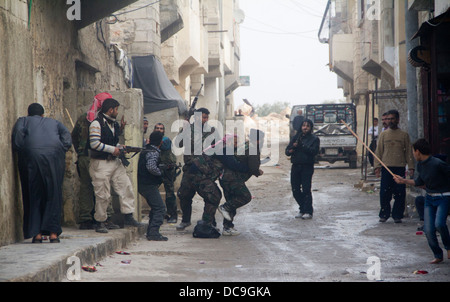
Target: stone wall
x=45, y=59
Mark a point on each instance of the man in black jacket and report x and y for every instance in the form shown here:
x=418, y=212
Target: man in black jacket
x=149, y=179
x=302, y=149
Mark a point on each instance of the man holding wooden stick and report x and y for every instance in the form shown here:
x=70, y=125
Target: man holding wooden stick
x=394, y=151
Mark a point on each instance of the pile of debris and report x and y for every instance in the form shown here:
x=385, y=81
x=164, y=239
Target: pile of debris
x=275, y=124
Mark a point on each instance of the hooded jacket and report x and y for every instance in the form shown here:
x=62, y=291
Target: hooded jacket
x=307, y=149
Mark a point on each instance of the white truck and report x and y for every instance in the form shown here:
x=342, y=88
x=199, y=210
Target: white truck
x=336, y=142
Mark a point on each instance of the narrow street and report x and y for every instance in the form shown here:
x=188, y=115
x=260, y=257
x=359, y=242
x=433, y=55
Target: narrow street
x=276, y=247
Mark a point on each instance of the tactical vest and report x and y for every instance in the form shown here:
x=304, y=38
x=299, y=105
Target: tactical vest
x=107, y=138
x=144, y=176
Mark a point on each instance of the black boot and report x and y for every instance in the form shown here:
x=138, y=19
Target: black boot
x=100, y=227
x=156, y=237
x=130, y=221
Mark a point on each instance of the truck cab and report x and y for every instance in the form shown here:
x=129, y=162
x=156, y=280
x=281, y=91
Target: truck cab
x=336, y=142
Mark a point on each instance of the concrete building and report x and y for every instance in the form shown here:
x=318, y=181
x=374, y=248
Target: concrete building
x=50, y=57
x=197, y=42
x=205, y=51
x=61, y=55
x=370, y=50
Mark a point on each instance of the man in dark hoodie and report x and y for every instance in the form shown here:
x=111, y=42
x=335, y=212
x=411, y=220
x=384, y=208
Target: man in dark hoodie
x=302, y=149
x=149, y=180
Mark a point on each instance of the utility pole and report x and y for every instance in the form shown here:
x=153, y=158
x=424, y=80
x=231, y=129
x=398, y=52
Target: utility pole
x=411, y=27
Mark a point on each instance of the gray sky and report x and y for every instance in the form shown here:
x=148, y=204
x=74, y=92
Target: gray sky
x=282, y=55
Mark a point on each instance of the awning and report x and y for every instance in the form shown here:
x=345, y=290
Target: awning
x=429, y=25
x=159, y=93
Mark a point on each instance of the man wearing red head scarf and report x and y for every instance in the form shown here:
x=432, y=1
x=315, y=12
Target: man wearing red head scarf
x=80, y=139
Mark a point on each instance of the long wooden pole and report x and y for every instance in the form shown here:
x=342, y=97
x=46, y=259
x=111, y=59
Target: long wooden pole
x=368, y=149
x=70, y=118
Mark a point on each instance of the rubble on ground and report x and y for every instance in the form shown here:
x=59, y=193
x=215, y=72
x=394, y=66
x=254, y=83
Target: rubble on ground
x=273, y=121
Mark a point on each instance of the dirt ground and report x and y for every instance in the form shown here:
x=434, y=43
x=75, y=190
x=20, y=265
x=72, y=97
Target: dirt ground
x=336, y=245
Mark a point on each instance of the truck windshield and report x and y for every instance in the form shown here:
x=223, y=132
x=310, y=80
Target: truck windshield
x=325, y=114
x=330, y=118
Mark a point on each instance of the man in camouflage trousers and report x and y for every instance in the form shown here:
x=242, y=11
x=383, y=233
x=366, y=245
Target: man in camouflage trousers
x=190, y=183
x=207, y=168
x=233, y=182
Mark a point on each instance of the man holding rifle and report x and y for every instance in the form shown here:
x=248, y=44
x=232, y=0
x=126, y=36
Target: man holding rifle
x=105, y=166
x=302, y=149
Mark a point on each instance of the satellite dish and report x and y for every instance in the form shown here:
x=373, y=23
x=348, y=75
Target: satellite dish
x=239, y=15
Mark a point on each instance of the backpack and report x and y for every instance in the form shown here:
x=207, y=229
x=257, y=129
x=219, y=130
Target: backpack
x=205, y=230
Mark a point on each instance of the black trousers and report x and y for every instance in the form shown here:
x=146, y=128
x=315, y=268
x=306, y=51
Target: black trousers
x=389, y=188
x=301, y=180
x=373, y=147
x=158, y=208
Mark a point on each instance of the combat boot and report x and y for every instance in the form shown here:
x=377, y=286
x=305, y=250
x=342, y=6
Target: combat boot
x=100, y=227
x=182, y=226
x=130, y=221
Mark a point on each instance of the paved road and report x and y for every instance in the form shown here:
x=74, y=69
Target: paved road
x=343, y=242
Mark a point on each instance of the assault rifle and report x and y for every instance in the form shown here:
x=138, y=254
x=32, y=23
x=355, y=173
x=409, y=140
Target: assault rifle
x=127, y=149
x=298, y=141
x=194, y=103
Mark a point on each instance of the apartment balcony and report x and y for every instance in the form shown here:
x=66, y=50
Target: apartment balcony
x=342, y=56
x=94, y=10
x=171, y=18
x=185, y=53
x=421, y=5
x=369, y=44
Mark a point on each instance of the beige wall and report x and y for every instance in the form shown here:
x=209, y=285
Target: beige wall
x=37, y=63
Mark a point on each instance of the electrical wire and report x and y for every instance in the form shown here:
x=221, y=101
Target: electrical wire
x=133, y=10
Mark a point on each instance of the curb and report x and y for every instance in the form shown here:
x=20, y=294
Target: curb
x=46, y=262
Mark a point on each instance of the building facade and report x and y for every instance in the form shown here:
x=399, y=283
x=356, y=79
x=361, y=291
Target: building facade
x=61, y=55
x=382, y=65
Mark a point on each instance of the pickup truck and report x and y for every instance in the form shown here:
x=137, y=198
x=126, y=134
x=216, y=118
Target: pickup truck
x=336, y=142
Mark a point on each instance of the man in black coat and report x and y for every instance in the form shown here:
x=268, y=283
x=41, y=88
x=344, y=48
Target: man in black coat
x=149, y=180
x=302, y=149
x=41, y=144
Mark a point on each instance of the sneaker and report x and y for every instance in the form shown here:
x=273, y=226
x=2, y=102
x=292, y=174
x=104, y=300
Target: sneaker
x=101, y=227
x=230, y=232
x=156, y=237
x=300, y=215
x=397, y=221
x=225, y=213
x=182, y=226
x=111, y=225
x=130, y=221
x=307, y=216
x=382, y=220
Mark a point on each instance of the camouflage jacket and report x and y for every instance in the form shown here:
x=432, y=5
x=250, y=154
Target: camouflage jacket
x=252, y=161
x=80, y=136
x=189, y=155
